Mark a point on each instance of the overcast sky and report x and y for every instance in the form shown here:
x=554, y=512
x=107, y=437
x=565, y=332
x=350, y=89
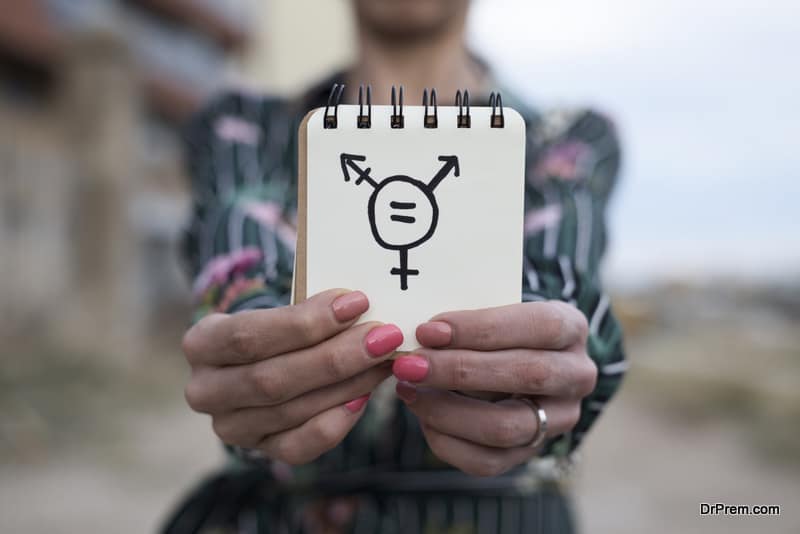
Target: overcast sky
x=706, y=94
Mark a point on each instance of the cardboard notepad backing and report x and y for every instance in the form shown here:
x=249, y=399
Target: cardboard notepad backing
x=422, y=220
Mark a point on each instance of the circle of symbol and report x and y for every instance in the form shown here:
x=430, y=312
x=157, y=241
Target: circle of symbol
x=388, y=231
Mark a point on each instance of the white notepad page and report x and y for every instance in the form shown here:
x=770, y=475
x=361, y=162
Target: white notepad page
x=470, y=258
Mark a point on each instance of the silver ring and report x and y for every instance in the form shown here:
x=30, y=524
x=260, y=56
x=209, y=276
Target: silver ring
x=541, y=420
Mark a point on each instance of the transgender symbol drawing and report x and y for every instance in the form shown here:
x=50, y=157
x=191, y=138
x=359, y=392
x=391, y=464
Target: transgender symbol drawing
x=402, y=211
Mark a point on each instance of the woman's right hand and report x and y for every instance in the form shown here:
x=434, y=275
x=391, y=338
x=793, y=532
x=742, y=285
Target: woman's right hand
x=291, y=381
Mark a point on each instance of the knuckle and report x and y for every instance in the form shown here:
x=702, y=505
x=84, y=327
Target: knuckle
x=504, y=432
x=554, y=326
x=581, y=324
x=585, y=377
x=575, y=325
x=460, y=372
x=192, y=342
x=308, y=325
x=559, y=322
x=590, y=377
x=195, y=397
x=533, y=375
x=188, y=344
x=269, y=383
x=243, y=341
x=335, y=361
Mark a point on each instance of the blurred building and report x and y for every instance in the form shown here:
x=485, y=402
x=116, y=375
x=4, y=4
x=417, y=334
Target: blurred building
x=92, y=196
x=296, y=42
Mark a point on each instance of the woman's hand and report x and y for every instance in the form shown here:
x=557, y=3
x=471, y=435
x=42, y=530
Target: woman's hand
x=533, y=349
x=292, y=381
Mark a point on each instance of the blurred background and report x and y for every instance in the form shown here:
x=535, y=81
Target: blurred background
x=704, y=262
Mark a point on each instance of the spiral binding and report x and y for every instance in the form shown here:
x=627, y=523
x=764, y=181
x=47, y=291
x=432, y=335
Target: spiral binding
x=397, y=119
x=364, y=121
x=496, y=101
x=430, y=121
x=464, y=119
x=335, y=96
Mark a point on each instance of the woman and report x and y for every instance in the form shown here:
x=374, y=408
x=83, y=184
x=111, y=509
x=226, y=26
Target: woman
x=299, y=394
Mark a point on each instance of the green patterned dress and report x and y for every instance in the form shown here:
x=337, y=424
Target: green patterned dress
x=239, y=249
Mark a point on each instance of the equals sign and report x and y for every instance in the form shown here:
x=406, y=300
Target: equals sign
x=402, y=206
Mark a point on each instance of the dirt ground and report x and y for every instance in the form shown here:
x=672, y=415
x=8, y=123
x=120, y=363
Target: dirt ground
x=645, y=471
x=88, y=449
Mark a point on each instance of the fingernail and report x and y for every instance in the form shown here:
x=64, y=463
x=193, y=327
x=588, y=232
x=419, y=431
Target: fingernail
x=355, y=405
x=411, y=368
x=383, y=339
x=406, y=391
x=349, y=306
x=435, y=333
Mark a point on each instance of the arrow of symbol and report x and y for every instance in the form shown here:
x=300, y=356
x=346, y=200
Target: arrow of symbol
x=349, y=160
x=450, y=164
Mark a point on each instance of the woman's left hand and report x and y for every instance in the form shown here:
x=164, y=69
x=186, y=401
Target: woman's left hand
x=534, y=349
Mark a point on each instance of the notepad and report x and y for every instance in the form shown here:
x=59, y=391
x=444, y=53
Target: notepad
x=421, y=219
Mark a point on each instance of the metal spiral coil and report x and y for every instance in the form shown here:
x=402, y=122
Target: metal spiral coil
x=364, y=121
x=464, y=118
x=496, y=120
x=430, y=121
x=335, y=96
x=397, y=120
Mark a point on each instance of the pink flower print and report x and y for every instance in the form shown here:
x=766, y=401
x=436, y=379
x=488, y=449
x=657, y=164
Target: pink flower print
x=267, y=213
x=236, y=130
x=545, y=217
x=270, y=214
x=238, y=288
x=221, y=268
x=567, y=160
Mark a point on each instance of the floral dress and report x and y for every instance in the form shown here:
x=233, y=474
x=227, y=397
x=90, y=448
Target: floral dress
x=239, y=250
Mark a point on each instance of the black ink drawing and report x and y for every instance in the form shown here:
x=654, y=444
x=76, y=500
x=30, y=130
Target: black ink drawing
x=402, y=211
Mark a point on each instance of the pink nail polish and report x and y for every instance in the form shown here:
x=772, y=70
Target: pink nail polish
x=349, y=306
x=411, y=368
x=355, y=405
x=435, y=334
x=406, y=391
x=383, y=339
